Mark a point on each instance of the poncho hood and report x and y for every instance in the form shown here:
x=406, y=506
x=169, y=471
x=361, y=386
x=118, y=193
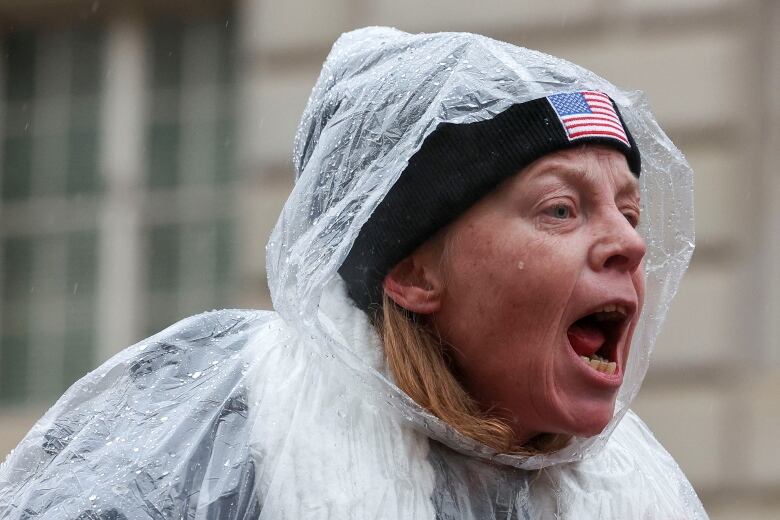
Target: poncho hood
x=293, y=414
x=381, y=92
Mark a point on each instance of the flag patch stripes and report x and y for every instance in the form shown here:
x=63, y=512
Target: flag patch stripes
x=588, y=113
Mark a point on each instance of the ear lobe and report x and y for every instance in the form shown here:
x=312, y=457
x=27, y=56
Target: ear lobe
x=413, y=287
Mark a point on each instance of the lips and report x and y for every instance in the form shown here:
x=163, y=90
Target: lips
x=594, y=337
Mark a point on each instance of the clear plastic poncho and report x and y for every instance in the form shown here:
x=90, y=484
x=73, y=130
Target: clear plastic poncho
x=292, y=414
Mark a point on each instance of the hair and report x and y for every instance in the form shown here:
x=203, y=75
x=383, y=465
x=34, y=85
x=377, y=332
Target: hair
x=421, y=366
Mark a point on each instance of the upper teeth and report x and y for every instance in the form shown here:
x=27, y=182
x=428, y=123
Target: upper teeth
x=611, y=312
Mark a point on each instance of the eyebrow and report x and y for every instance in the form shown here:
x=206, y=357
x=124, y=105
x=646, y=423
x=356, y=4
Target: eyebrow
x=631, y=186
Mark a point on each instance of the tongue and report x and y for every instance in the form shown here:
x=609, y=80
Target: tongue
x=584, y=339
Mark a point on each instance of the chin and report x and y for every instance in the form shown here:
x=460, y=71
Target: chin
x=590, y=420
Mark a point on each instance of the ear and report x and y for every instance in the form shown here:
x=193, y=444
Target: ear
x=413, y=286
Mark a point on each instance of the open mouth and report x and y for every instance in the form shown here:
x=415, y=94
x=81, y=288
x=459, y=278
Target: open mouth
x=595, y=337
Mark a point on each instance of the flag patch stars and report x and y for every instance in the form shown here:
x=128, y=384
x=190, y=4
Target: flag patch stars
x=588, y=114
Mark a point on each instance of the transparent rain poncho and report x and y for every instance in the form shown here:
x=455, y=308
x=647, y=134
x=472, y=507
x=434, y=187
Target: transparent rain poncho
x=293, y=414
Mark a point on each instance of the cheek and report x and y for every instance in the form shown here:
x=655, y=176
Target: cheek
x=639, y=284
x=512, y=272
x=506, y=295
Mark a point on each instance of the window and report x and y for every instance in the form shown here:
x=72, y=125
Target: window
x=49, y=185
x=189, y=161
x=48, y=313
x=53, y=194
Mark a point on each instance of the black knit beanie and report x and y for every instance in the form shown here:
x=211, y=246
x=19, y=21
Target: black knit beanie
x=458, y=164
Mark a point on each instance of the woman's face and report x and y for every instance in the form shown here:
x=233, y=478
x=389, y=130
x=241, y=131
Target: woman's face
x=534, y=282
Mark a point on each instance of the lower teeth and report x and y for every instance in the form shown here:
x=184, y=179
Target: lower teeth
x=600, y=364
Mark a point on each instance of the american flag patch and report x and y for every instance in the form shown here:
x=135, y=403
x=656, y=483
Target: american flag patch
x=588, y=114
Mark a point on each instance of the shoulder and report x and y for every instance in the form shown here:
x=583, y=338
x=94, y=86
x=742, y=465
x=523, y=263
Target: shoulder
x=169, y=409
x=192, y=345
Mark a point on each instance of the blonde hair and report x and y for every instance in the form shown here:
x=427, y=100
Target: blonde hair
x=419, y=362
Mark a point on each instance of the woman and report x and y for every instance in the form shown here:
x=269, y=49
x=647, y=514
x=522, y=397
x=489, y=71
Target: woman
x=457, y=276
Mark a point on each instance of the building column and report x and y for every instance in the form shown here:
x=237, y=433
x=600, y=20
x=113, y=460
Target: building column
x=122, y=165
x=3, y=35
x=253, y=223
x=763, y=299
x=770, y=239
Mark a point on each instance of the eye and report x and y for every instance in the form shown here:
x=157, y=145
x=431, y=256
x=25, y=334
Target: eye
x=632, y=217
x=560, y=211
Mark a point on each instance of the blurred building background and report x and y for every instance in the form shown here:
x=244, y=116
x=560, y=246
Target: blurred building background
x=145, y=154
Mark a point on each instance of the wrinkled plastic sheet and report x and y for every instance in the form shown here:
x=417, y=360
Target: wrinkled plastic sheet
x=160, y=431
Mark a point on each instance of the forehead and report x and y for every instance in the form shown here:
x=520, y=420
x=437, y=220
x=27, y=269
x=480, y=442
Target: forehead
x=588, y=164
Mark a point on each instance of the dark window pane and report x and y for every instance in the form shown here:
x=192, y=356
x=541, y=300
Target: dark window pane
x=162, y=312
x=13, y=352
x=227, y=55
x=18, y=119
x=87, y=53
x=17, y=167
x=224, y=252
x=84, y=113
x=20, y=66
x=163, y=258
x=81, y=263
x=199, y=141
x=13, y=369
x=166, y=54
x=81, y=274
x=79, y=339
x=224, y=157
x=82, y=173
x=199, y=242
x=17, y=268
x=53, y=71
x=163, y=154
x=164, y=106
x=51, y=154
x=48, y=284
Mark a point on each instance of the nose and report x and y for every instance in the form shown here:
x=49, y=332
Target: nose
x=617, y=245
